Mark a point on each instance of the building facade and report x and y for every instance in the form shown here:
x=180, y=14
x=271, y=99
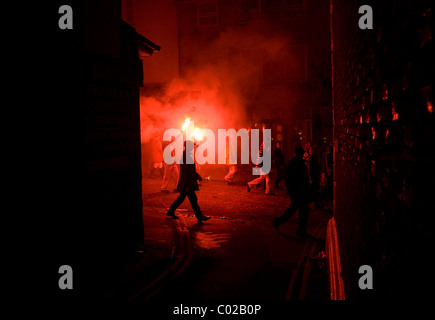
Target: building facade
x=283, y=45
x=95, y=193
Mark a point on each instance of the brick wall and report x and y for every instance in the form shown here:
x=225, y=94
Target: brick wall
x=383, y=92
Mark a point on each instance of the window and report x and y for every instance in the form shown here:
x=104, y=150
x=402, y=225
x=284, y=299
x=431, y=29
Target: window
x=250, y=11
x=207, y=13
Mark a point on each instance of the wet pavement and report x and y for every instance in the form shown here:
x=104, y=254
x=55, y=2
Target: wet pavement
x=237, y=255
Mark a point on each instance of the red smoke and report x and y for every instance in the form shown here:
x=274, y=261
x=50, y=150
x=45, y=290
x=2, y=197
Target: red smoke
x=216, y=92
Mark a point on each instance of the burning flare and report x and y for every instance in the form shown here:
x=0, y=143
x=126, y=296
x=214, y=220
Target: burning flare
x=198, y=134
x=186, y=123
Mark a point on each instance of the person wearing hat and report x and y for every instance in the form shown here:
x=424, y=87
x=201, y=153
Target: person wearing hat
x=298, y=188
x=188, y=184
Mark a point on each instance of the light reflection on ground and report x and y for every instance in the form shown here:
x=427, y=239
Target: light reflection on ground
x=210, y=240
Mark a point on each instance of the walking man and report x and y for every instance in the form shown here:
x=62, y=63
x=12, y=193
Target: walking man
x=298, y=186
x=188, y=184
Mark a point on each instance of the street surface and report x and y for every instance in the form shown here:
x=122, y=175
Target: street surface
x=237, y=254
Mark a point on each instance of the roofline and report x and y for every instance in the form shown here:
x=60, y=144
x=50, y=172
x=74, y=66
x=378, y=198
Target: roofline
x=146, y=46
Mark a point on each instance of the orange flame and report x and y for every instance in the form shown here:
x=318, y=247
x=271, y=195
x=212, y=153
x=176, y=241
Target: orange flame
x=186, y=123
x=429, y=107
x=198, y=134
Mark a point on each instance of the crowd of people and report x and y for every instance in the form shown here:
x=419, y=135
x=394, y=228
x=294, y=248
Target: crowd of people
x=307, y=180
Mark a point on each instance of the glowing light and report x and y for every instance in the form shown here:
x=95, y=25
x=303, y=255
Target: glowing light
x=199, y=136
x=186, y=123
x=429, y=107
x=395, y=114
x=385, y=92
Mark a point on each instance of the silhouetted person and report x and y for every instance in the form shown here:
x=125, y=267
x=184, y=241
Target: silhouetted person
x=314, y=168
x=279, y=164
x=188, y=184
x=298, y=185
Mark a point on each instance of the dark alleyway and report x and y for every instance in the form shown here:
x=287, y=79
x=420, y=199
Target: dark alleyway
x=236, y=254
x=304, y=71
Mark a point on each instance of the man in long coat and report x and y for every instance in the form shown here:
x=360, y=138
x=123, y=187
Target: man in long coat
x=298, y=188
x=188, y=184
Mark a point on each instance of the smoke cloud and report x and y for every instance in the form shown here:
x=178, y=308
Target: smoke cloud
x=217, y=89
